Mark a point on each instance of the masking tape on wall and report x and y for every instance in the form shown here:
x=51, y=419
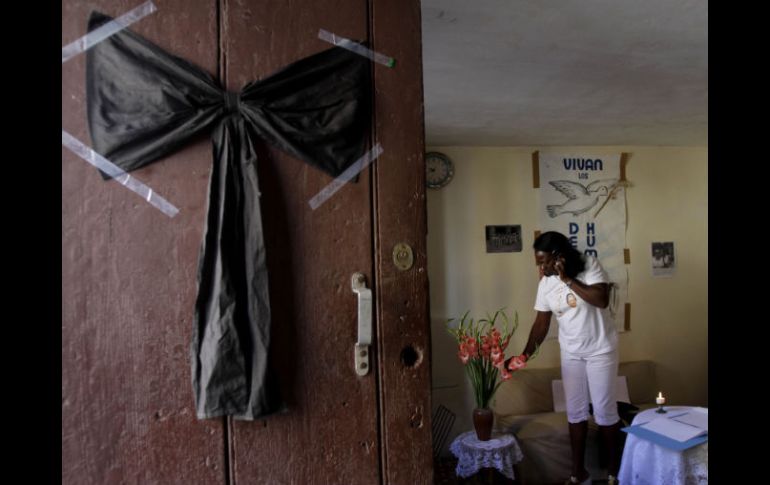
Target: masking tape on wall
x=536, y=169
x=623, y=161
x=627, y=321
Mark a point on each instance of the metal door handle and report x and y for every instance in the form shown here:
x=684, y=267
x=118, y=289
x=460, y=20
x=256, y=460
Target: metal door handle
x=364, y=323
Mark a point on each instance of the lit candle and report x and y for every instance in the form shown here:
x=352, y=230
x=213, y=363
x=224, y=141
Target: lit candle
x=660, y=400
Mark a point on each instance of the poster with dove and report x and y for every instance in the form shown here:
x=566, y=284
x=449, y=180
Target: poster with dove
x=582, y=197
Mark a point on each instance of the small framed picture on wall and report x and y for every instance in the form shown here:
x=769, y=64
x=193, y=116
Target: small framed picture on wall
x=503, y=239
x=663, y=259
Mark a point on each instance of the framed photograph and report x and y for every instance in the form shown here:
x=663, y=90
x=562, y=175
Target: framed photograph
x=503, y=239
x=663, y=259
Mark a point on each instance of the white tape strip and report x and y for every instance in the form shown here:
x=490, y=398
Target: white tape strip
x=98, y=161
x=356, y=47
x=113, y=26
x=348, y=174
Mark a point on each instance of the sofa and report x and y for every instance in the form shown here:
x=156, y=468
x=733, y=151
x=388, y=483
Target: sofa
x=524, y=406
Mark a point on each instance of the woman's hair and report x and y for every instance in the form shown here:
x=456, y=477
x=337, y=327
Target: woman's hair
x=557, y=244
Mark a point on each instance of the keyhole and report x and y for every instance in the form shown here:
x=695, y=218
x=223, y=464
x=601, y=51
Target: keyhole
x=411, y=357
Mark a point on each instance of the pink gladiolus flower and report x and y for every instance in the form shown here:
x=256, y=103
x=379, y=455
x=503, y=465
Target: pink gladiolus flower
x=473, y=348
x=496, y=349
x=496, y=356
x=464, y=357
x=504, y=374
x=518, y=362
x=486, y=349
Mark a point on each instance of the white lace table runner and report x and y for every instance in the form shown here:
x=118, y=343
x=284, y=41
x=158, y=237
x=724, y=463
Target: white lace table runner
x=501, y=452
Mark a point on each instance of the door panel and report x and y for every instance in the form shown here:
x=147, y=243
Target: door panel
x=402, y=296
x=128, y=287
x=329, y=434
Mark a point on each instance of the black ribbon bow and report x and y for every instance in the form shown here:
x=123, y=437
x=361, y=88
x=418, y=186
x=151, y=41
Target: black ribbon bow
x=144, y=103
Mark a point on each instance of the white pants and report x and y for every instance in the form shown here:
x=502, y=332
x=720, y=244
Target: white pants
x=597, y=375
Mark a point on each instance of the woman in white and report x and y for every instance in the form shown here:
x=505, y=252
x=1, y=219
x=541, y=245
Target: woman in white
x=575, y=289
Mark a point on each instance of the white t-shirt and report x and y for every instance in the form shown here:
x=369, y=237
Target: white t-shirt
x=584, y=329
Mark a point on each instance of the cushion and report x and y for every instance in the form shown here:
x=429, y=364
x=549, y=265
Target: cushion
x=640, y=375
x=559, y=403
x=538, y=426
x=527, y=392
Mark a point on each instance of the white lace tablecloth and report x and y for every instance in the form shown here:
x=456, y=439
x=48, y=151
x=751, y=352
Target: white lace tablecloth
x=501, y=451
x=646, y=463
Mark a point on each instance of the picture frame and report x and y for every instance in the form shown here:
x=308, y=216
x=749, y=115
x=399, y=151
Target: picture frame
x=663, y=259
x=503, y=239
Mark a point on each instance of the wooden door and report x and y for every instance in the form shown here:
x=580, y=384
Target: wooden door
x=129, y=274
x=128, y=287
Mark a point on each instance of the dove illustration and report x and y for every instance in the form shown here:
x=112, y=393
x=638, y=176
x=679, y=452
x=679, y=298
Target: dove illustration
x=580, y=198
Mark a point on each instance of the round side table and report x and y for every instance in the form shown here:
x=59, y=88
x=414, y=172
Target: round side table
x=502, y=452
x=647, y=463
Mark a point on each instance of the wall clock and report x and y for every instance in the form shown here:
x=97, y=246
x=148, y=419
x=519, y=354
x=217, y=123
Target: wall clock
x=439, y=170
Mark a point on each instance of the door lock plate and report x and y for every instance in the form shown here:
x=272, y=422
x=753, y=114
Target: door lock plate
x=403, y=257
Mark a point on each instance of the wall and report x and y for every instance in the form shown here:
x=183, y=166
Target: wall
x=493, y=185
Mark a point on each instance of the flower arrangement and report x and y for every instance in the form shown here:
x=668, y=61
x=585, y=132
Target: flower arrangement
x=482, y=351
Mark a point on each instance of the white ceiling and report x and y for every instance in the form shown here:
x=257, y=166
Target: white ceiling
x=565, y=72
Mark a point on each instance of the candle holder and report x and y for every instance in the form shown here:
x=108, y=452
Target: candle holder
x=660, y=409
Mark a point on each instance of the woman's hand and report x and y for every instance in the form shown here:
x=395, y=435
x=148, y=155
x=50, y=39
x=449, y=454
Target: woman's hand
x=559, y=267
x=517, y=362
